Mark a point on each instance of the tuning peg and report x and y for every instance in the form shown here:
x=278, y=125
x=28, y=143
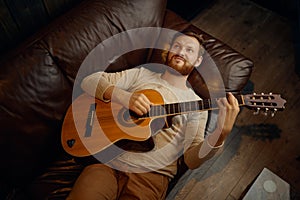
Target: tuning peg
x=266, y=111
x=273, y=112
x=257, y=111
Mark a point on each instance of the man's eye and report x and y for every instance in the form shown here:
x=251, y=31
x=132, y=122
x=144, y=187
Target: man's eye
x=190, y=50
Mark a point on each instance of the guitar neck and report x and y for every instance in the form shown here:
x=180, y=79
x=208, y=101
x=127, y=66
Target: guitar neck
x=186, y=107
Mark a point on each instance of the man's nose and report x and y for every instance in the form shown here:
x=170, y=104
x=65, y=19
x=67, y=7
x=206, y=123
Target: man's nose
x=181, y=52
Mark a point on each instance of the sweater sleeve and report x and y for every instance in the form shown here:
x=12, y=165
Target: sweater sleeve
x=97, y=83
x=194, y=138
x=195, y=129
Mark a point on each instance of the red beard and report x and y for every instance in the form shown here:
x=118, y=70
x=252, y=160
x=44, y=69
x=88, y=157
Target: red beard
x=179, y=66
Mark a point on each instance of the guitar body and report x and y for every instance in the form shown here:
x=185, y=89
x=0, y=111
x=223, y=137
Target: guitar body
x=91, y=126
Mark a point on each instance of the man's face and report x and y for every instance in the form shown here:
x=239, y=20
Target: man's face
x=184, y=55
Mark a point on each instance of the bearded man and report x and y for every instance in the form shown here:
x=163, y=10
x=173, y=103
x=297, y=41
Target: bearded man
x=146, y=175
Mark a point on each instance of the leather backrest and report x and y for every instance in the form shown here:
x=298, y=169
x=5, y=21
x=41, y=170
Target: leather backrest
x=95, y=21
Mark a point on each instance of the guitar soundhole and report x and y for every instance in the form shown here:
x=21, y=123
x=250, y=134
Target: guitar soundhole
x=128, y=118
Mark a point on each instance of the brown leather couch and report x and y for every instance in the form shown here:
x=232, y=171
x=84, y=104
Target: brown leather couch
x=36, y=82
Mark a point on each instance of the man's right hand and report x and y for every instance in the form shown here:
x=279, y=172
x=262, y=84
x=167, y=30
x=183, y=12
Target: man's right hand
x=137, y=102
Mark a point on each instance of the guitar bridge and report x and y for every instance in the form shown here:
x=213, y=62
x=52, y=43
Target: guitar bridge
x=90, y=120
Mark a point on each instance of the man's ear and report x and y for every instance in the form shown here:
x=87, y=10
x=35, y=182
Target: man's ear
x=198, y=61
x=165, y=52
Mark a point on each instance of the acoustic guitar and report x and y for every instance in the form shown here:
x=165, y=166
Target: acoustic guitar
x=91, y=125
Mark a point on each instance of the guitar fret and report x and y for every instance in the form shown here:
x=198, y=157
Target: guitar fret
x=160, y=110
x=189, y=106
x=154, y=111
x=163, y=109
x=214, y=103
x=177, y=108
x=205, y=104
x=202, y=105
x=157, y=111
x=173, y=107
x=194, y=105
x=151, y=111
x=182, y=106
x=166, y=109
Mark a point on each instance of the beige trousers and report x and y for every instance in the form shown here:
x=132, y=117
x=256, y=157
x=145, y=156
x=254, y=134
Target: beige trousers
x=100, y=182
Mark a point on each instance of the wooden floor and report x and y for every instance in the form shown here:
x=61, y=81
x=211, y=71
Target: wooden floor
x=256, y=142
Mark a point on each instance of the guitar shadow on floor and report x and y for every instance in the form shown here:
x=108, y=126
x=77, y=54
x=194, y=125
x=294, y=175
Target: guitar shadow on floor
x=262, y=131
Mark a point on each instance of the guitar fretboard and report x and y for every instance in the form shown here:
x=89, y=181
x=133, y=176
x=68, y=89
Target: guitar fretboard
x=186, y=107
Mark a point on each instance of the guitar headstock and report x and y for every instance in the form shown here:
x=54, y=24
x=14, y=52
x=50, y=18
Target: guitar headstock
x=264, y=102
